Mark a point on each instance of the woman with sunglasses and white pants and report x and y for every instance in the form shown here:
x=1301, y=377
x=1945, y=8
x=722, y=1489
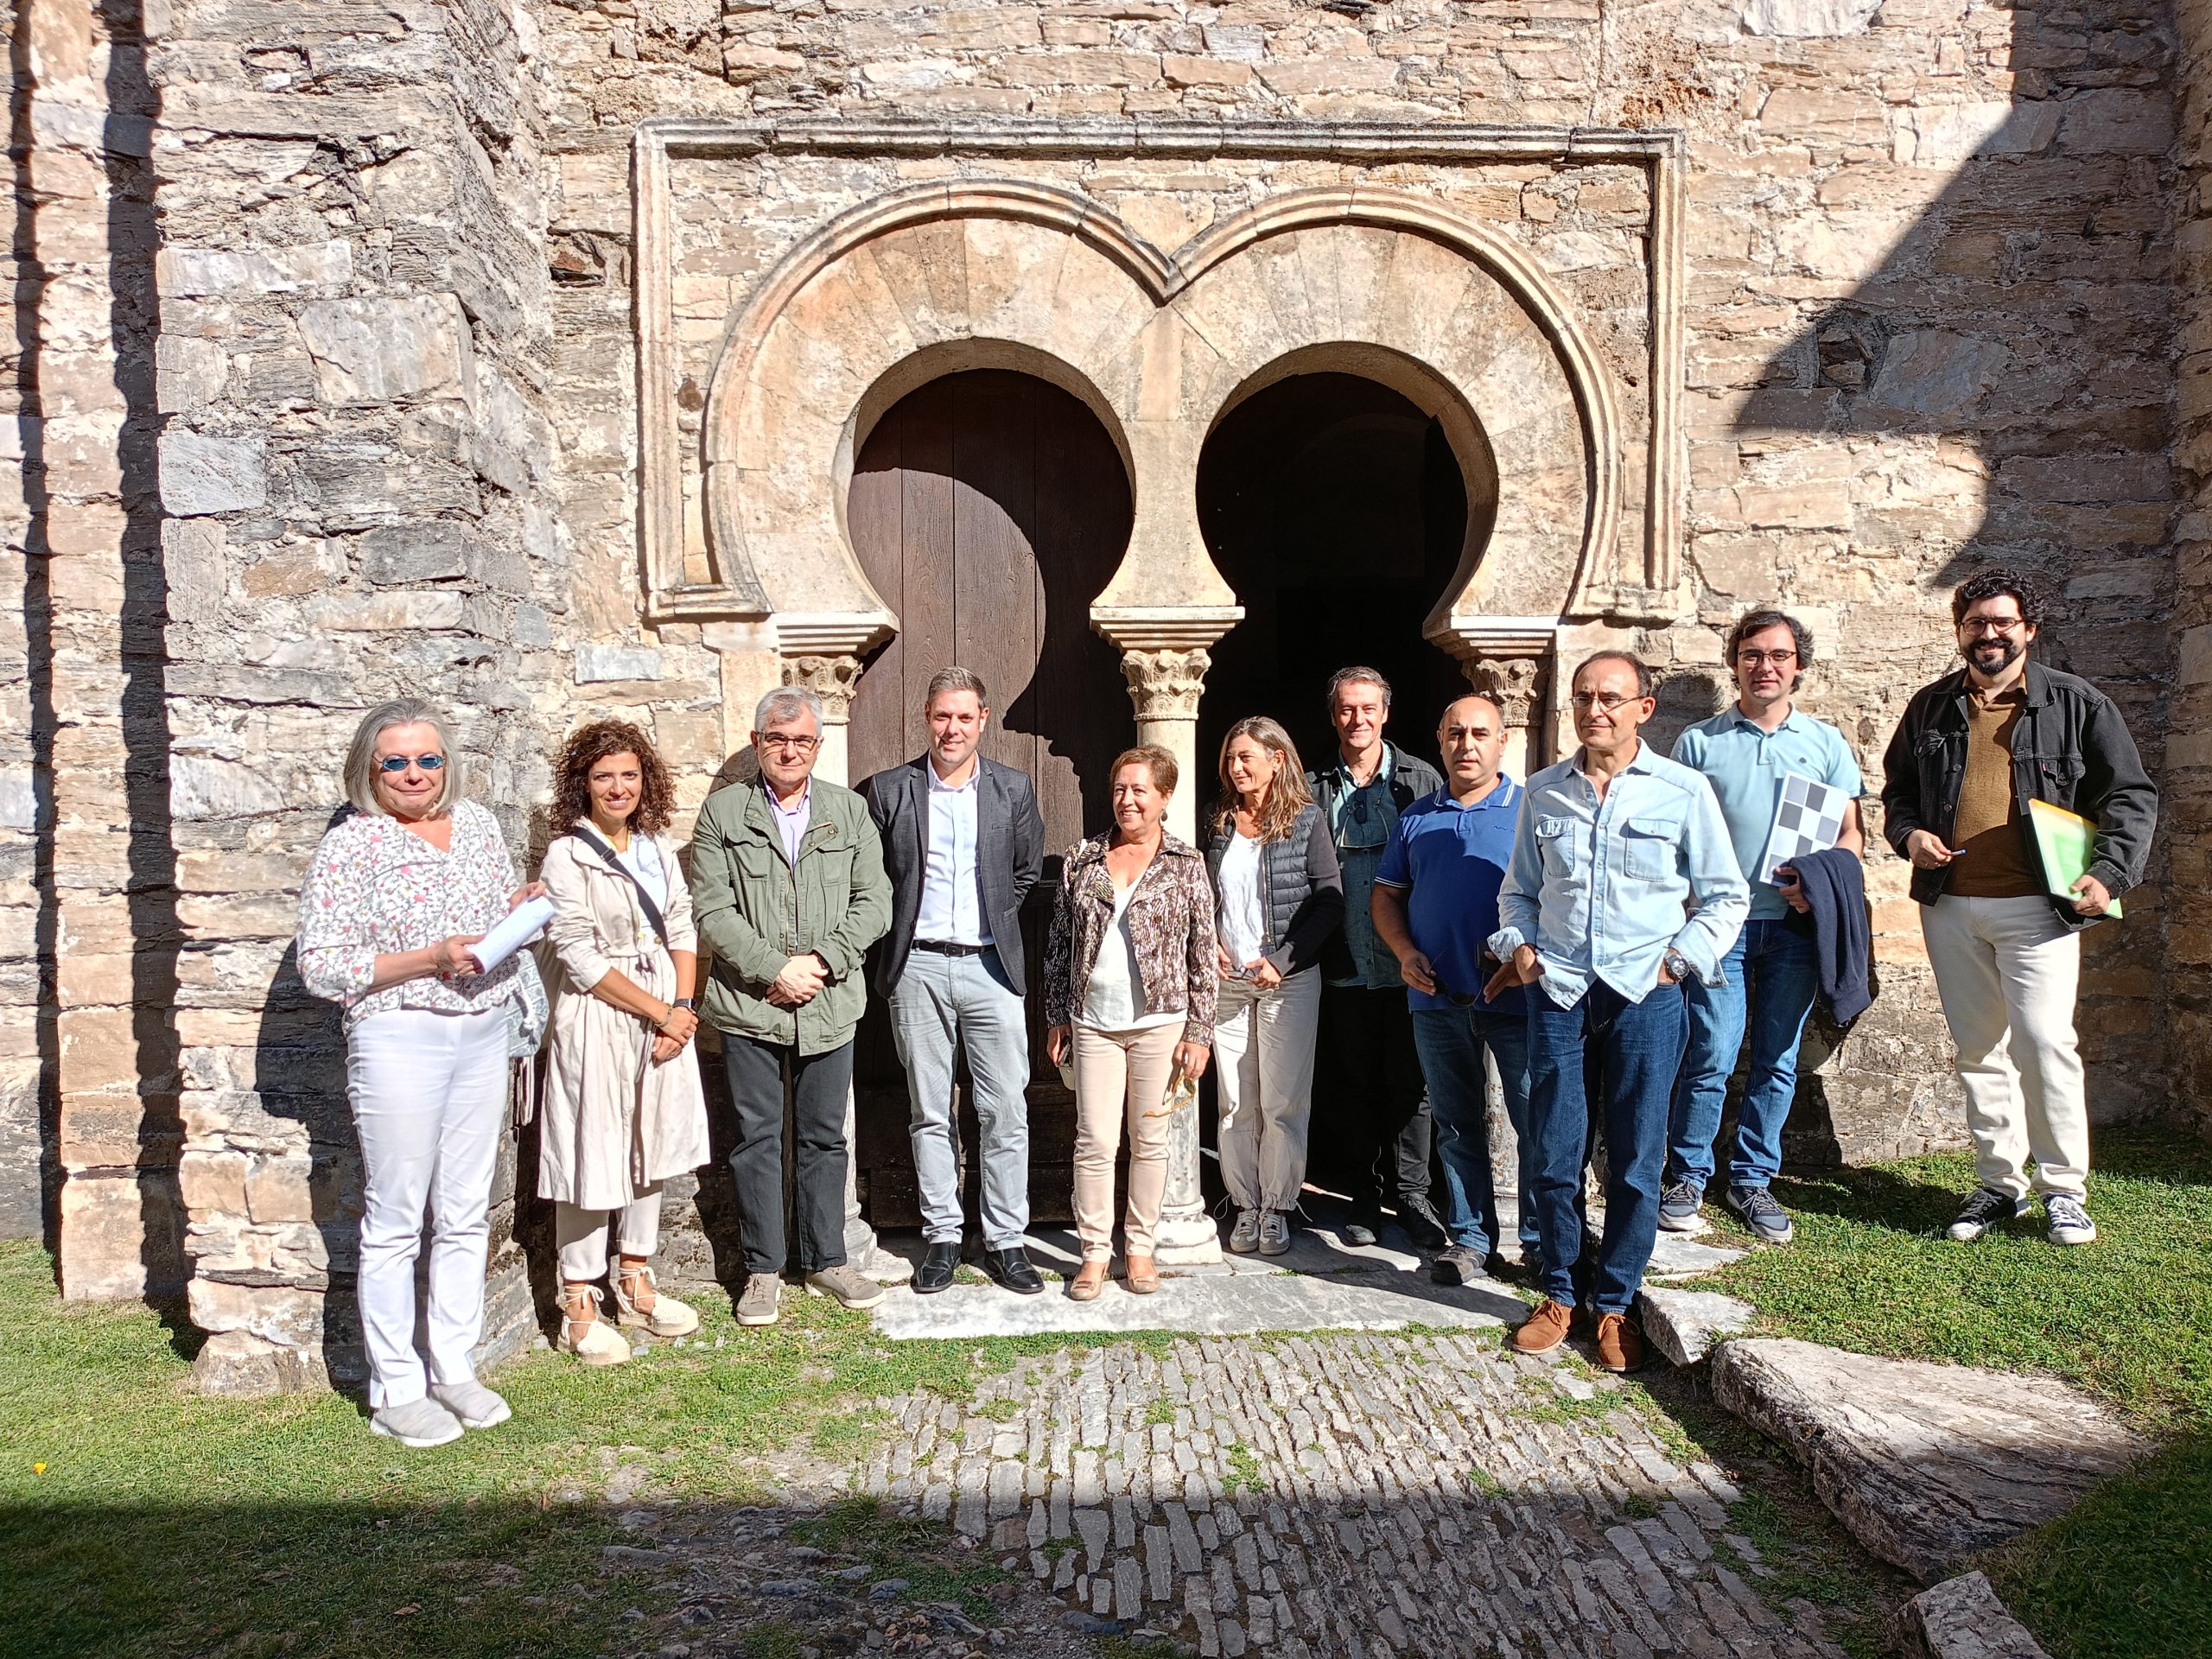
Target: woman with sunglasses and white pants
x=395, y=897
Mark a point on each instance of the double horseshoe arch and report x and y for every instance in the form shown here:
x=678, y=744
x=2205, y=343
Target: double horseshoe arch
x=925, y=281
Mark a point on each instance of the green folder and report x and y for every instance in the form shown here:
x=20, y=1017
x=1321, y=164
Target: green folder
x=2067, y=843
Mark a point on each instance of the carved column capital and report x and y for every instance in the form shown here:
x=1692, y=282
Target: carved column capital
x=1166, y=684
x=833, y=679
x=1509, y=682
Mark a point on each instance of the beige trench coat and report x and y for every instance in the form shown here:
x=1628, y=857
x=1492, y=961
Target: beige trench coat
x=614, y=1123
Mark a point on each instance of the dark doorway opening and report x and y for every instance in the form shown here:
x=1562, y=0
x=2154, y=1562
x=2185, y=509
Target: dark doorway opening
x=988, y=508
x=1337, y=512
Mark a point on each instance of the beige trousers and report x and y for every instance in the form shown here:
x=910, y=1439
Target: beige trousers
x=1117, y=1074
x=1263, y=1078
x=2007, y=970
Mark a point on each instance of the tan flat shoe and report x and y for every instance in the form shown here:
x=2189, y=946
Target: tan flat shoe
x=1142, y=1277
x=1089, y=1280
x=586, y=1335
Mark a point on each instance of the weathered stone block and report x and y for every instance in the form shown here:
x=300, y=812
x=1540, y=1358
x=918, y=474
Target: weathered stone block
x=182, y=271
x=597, y=664
x=373, y=350
x=204, y=786
x=404, y=553
x=1927, y=1465
x=204, y=475
x=1687, y=1324
x=1961, y=1619
x=121, y=1236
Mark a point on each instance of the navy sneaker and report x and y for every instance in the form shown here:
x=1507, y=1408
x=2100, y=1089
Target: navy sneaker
x=1988, y=1208
x=1678, y=1207
x=1755, y=1207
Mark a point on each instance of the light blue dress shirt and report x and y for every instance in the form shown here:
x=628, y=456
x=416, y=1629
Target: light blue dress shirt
x=790, y=822
x=952, y=903
x=1605, y=888
x=1745, y=766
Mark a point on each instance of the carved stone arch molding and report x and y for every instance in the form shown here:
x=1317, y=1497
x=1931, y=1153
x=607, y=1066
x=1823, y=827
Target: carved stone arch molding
x=989, y=270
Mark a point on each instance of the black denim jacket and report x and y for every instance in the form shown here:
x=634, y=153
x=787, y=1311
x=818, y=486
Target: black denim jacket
x=2070, y=748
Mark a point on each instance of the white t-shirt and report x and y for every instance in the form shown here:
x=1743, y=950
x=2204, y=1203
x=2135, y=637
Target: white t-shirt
x=1243, y=923
x=1113, y=998
x=643, y=861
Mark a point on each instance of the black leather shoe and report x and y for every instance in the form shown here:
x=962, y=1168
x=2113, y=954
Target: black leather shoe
x=938, y=1268
x=1013, y=1269
x=1422, y=1224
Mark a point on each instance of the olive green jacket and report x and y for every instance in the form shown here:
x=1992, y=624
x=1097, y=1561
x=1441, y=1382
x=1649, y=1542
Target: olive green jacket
x=755, y=911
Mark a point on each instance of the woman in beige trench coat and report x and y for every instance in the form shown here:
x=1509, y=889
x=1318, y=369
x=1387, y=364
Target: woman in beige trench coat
x=623, y=1110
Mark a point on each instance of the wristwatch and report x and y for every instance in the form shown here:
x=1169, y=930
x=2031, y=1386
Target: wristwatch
x=1679, y=966
x=685, y=1002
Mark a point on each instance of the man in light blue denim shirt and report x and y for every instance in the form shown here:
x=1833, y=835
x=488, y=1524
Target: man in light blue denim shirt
x=1623, y=884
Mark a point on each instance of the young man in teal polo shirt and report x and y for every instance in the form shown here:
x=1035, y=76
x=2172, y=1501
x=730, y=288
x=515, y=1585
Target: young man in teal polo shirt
x=1771, y=974
x=1434, y=904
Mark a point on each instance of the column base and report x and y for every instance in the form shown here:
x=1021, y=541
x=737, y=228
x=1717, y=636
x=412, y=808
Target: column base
x=1186, y=1242
x=866, y=1256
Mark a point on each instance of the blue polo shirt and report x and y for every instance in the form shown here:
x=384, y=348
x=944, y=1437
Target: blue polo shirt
x=1745, y=766
x=1450, y=859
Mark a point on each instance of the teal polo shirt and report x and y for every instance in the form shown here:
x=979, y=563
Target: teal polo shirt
x=1745, y=766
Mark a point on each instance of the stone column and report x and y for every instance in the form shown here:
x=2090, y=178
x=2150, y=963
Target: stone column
x=1165, y=685
x=834, y=676
x=1504, y=658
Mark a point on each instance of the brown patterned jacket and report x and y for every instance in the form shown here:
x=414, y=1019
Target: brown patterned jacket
x=1171, y=924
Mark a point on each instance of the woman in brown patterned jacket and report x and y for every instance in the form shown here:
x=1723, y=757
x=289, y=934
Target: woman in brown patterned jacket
x=1129, y=978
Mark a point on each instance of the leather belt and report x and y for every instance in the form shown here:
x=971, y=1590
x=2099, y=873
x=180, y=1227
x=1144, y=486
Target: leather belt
x=946, y=948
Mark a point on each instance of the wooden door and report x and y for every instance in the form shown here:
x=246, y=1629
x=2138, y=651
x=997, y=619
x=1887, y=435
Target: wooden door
x=989, y=508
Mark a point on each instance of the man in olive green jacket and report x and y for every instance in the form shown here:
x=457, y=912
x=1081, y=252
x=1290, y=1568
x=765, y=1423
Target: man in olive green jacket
x=789, y=892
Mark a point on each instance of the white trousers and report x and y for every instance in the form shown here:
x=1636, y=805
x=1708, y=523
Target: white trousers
x=1263, y=1051
x=582, y=1235
x=2007, y=970
x=429, y=1095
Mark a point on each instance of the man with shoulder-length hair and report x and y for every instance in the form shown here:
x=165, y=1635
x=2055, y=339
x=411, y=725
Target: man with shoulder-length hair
x=1623, y=886
x=2003, y=932
x=788, y=891
x=964, y=843
x=1770, y=975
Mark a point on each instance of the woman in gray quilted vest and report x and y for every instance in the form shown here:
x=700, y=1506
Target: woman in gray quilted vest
x=1278, y=896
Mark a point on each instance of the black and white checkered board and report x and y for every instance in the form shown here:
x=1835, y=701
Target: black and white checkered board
x=1808, y=818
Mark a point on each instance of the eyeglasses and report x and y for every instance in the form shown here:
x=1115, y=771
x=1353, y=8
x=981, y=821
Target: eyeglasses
x=1607, y=701
x=783, y=741
x=397, y=763
x=1997, y=625
x=1757, y=659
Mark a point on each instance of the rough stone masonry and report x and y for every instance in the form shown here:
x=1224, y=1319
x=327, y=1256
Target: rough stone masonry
x=507, y=351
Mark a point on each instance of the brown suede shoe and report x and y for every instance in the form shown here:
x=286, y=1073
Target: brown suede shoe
x=1620, y=1345
x=1543, y=1330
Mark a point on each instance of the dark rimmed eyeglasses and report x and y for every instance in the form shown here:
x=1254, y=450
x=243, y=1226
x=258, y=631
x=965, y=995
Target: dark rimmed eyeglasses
x=393, y=763
x=780, y=741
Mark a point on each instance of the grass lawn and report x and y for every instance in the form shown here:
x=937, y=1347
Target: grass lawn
x=2128, y=1573
x=138, y=1518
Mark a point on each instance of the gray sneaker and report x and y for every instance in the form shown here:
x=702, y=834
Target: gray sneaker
x=475, y=1405
x=1457, y=1264
x=1678, y=1207
x=851, y=1288
x=2068, y=1220
x=419, y=1423
x=1755, y=1207
x=756, y=1303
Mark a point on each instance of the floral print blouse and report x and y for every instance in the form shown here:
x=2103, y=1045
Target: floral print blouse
x=375, y=887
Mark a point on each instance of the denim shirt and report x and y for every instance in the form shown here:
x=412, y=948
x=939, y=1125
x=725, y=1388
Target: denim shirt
x=1605, y=888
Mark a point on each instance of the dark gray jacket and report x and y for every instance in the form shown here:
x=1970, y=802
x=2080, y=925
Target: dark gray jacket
x=1411, y=777
x=2070, y=748
x=1009, y=856
x=1304, y=889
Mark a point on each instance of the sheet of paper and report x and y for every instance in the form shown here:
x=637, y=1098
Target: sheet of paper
x=1808, y=818
x=518, y=928
x=2067, y=843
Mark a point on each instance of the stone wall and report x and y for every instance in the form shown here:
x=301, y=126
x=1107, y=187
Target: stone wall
x=325, y=380
x=2188, y=750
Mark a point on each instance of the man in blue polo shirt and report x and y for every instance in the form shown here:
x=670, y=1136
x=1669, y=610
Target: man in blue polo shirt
x=1435, y=903
x=1771, y=973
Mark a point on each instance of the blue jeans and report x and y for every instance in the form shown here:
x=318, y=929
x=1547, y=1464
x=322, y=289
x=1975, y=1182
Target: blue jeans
x=1633, y=1050
x=1772, y=973
x=1451, y=1042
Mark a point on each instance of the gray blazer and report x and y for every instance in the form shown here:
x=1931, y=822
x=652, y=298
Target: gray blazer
x=1009, y=856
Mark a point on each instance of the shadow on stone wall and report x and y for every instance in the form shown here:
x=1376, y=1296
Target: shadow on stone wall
x=2020, y=329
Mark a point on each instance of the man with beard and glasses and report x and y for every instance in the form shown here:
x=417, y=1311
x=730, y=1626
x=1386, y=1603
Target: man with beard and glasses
x=1972, y=751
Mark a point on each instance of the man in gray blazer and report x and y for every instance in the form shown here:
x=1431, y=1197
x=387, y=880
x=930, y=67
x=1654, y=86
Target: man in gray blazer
x=963, y=843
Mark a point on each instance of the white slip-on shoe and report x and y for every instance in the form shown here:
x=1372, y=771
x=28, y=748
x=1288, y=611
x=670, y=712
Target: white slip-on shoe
x=661, y=1315
x=419, y=1423
x=475, y=1405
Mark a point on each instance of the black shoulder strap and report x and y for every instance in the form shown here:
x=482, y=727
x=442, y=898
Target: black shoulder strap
x=613, y=863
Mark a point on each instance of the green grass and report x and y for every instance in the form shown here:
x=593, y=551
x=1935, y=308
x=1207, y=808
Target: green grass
x=166, y=1523
x=904, y=1547
x=1244, y=1473
x=2127, y=1319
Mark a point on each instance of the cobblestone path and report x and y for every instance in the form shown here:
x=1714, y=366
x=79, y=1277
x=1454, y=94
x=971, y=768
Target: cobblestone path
x=1359, y=1494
